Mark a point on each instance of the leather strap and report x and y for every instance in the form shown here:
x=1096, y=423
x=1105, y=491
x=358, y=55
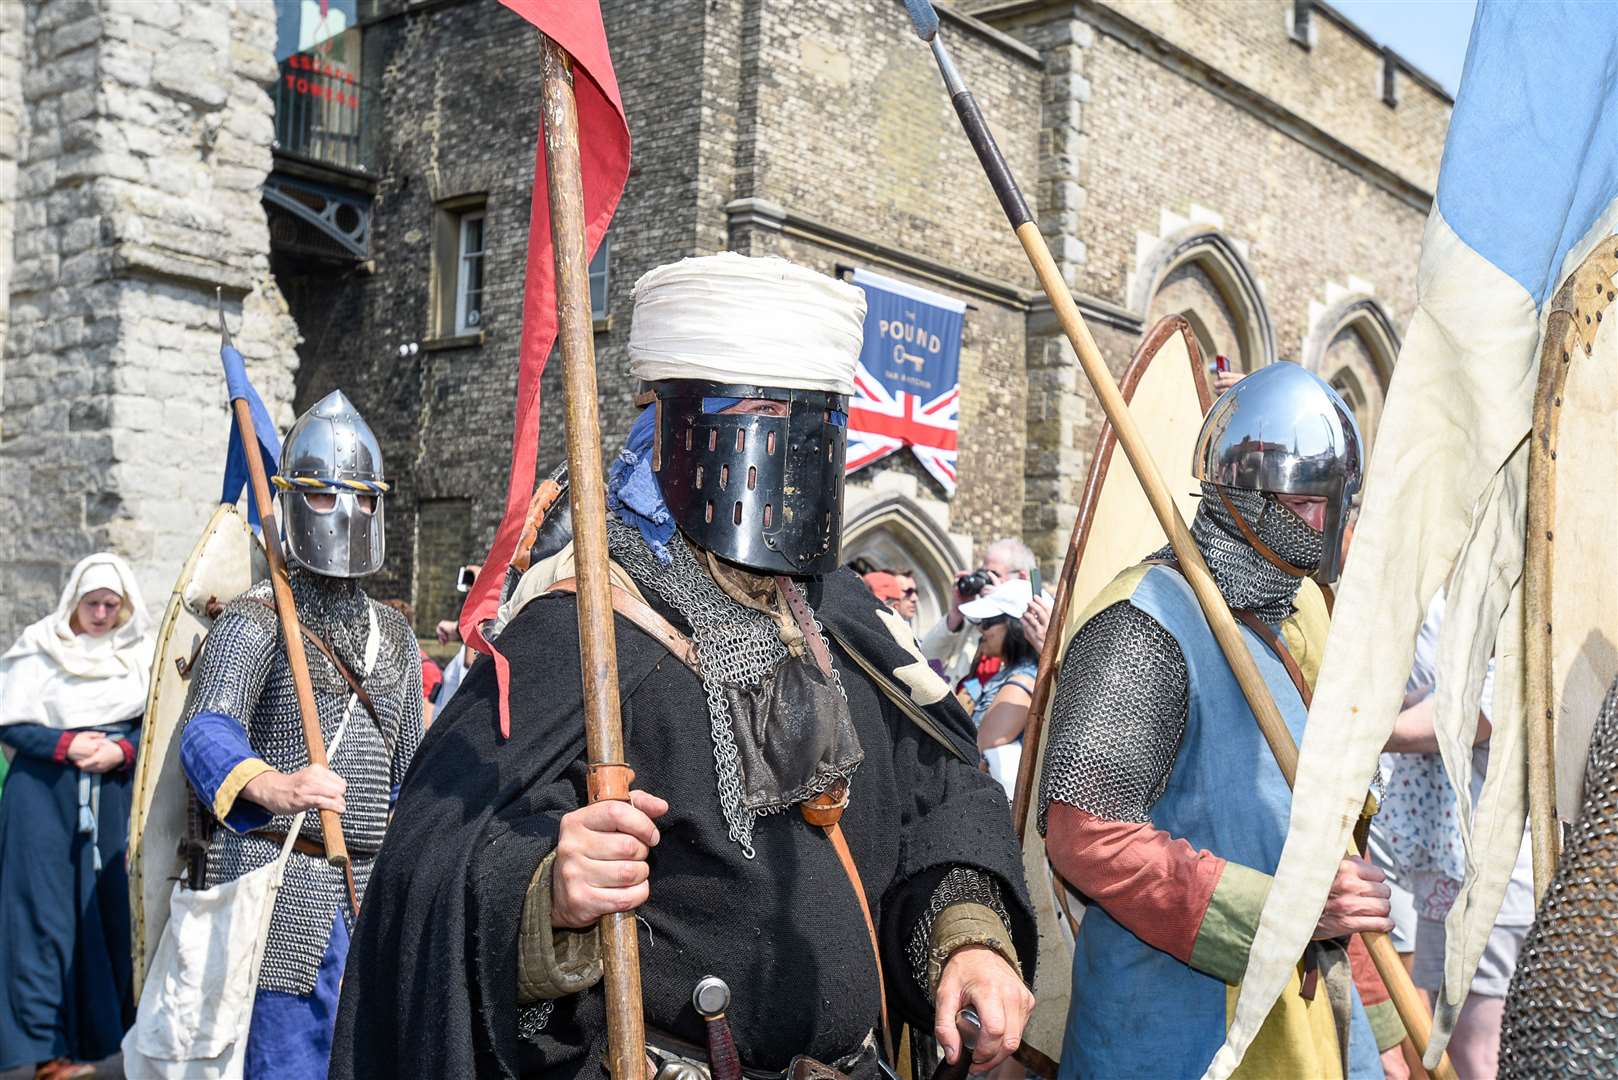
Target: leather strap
x=1250, y=620
x=1279, y=648
x=342, y=669
x=304, y=846
x=899, y=697
x=824, y=811
x=643, y=616
x=1252, y=538
x=806, y=623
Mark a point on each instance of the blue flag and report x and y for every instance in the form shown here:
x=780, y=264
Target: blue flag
x=269, y=445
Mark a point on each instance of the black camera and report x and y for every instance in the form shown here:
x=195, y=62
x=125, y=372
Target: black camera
x=971, y=584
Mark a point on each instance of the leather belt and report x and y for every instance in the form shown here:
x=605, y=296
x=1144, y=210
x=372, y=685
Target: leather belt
x=676, y=1059
x=305, y=846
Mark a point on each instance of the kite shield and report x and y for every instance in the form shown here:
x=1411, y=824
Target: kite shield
x=1168, y=394
x=224, y=563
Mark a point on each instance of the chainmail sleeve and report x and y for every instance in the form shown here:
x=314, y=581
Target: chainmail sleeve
x=1117, y=717
x=961, y=885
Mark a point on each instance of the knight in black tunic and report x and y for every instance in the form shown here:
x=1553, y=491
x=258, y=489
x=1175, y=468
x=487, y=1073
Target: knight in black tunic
x=800, y=686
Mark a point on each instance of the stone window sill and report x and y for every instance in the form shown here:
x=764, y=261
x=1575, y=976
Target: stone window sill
x=459, y=341
x=601, y=325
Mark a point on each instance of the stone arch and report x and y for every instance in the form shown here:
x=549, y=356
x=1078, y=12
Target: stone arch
x=895, y=531
x=1200, y=273
x=1353, y=346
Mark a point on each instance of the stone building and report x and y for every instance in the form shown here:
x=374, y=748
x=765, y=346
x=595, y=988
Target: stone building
x=134, y=138
x=1262, y=167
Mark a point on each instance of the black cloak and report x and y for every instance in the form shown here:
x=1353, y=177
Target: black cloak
x=430, y=987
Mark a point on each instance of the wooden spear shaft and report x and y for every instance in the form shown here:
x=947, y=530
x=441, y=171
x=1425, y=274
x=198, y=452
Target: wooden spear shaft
x=286, y=609
x=1220, y=621
x=604, y=735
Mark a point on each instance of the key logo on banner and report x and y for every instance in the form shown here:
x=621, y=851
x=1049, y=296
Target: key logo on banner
x=907, y=384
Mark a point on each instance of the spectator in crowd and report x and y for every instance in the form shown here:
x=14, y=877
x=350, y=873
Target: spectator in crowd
x=431, y=673
x=953, y=640
x=883, y=585
x=1001, y=710
x=1420, y=835
x=72, y=693
x=909, y=596
x=449, y=630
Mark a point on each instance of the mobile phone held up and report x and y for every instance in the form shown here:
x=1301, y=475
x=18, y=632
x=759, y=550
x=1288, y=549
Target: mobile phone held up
x=463, y=582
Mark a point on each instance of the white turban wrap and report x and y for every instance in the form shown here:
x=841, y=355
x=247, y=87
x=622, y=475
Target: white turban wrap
x=728, y=318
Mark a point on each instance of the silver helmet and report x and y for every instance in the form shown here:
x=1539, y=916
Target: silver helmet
x=331, y=490
x=1284, y=431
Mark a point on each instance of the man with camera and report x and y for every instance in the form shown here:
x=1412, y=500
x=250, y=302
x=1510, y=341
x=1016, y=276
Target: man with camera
x=953, y=641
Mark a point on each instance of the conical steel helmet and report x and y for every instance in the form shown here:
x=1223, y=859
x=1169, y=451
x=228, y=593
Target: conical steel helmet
x=332, y=486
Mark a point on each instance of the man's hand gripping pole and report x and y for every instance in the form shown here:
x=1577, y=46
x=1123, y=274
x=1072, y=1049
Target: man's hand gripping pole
x=1414, y=1014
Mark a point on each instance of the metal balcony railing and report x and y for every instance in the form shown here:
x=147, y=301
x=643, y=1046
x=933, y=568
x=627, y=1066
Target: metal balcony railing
x=320, y=111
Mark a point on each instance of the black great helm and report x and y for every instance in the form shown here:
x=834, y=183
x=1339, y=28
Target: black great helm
x=751, y=363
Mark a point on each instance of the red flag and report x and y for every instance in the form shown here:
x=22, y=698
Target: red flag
x=604, y=163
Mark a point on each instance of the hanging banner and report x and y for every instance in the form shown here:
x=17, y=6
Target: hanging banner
x=907, y=385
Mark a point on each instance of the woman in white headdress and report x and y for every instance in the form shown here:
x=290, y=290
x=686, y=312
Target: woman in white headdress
x=72, y=692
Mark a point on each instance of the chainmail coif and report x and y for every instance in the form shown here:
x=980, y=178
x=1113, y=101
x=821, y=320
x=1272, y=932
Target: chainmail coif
x=1562, y=1009
x=1245, y=578
x=735, y=644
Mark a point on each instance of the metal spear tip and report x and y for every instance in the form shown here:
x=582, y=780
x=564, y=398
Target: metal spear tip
x=924, y=18
x=711, y=997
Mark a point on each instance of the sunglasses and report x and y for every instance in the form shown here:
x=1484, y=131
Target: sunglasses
x=909, y=594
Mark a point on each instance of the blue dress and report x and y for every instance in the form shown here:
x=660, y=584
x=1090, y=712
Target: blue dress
x=65, y=965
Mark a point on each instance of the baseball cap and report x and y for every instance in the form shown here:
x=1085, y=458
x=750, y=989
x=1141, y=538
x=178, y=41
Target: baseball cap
x=885, y=586
x=1008, y=598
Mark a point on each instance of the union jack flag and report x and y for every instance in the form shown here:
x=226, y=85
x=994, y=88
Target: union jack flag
x=907, y=387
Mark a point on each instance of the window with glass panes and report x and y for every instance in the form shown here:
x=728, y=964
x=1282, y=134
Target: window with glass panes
x=598, y=280
x=469, y=275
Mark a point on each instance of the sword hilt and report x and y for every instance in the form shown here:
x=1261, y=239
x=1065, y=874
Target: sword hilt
x=711, y=998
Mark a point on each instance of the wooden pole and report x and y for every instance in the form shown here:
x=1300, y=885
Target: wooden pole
x=604, y=736
x=331, y=826
x=1538, y=555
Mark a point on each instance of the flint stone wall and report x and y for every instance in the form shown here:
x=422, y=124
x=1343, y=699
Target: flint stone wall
x=134, y=135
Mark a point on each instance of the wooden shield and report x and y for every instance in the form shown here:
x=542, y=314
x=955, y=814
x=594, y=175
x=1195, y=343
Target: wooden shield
x=1168, y=395
x=220, y=567
x=1571, y=577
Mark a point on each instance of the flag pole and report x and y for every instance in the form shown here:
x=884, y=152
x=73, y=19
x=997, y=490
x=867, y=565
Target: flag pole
x=286, y=610
x=609, y=776
x=1412, y=1011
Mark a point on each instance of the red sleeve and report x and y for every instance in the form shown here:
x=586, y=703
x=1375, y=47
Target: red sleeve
x=62, y=744
x=129, y=752
x=1156, y=885
x=431, y=676
x=1372, y=991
